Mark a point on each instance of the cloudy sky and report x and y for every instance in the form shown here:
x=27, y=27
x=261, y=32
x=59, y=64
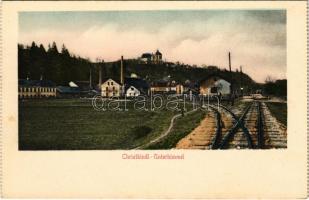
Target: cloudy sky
x=256, y=38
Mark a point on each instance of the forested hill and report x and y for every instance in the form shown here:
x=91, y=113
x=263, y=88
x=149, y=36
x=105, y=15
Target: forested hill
x=60, y=66
x=52, y=64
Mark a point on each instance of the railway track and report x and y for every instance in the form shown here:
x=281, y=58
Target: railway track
x=256, y=128
x=275, y=133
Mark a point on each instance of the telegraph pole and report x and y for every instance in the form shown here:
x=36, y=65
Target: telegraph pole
x=121, y=71
x=230, y=64
x=100, y=75
x=241, y=87
x=90, y=78
x=232, y=86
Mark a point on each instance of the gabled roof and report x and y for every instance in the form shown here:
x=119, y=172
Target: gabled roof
x=222, y=81
x=36, y=83
x=130, y=86
x=68, y=90
x=110, y=79
x=164, y=83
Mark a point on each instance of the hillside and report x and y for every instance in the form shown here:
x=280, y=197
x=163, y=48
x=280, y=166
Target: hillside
x=34, y=62
x=179, y=73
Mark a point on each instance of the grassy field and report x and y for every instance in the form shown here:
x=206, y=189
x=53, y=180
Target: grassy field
x=183, y=126
x=74, y=124
x=279, y=110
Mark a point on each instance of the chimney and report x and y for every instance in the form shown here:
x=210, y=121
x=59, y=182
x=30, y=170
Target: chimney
x=100, y=74
x=121, y=71
x=90, y=78
x=230, y=62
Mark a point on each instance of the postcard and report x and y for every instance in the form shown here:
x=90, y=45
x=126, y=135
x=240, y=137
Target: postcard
x=116, y=99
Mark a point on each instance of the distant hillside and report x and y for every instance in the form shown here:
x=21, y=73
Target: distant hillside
x=61, y=67
x=179, y=73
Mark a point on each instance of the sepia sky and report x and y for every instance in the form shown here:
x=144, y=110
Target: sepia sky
x=256, y=38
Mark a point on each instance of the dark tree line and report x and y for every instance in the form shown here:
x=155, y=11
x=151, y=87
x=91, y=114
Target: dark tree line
x=35, y=62
x=276, y=87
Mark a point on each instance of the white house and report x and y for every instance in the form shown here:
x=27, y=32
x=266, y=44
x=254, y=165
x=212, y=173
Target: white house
x=223, y=87
x=215, y=85
x=111, y=88
x=132, y=92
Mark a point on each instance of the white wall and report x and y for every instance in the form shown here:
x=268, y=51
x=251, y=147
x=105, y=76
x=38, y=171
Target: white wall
x=223, y=86
x=114, y=89
x=132, y=91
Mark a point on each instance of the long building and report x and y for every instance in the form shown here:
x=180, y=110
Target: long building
x=36, y=89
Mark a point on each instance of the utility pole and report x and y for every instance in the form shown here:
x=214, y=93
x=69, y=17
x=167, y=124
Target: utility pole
x=232, y=84
x=121, y=77
x=241, y=87
x=100, y=63
x=121, y=71
x=90, y=78
x=230, y=64
x=100, y=74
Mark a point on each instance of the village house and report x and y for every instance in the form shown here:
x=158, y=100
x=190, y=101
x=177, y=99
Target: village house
x=68, y=91
x=111, y=88
x=136, y=86
x=36, y=89
x=132, y=87
x=131, y=91
x=129, y=86
x=76, y=89
x=215, y=85
x=163, y=86
x=191, y=87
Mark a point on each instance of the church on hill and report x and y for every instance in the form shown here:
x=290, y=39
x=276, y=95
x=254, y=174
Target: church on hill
x=152, y=58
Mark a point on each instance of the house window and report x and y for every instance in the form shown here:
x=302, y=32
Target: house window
x=214, y=90
x=132, y=88
x=107, y=83
x=113, y=88
x=106, y=89
x=112, y=83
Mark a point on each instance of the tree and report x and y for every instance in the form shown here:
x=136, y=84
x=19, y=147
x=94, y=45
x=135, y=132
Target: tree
x=269, y=79
x=65, y=51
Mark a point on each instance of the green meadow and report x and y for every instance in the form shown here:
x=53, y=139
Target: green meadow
x=73, y=124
